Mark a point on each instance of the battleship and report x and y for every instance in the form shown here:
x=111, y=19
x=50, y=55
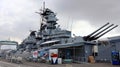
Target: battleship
x=51, y=36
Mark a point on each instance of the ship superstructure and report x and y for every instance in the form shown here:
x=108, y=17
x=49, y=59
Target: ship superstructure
x=51, y=36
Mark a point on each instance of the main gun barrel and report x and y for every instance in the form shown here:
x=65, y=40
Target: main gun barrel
x=106, y=32
x=103, y=30
x=98, y=29
x=88, y=36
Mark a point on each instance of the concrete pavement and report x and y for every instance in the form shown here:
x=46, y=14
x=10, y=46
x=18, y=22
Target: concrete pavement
x=32, y=64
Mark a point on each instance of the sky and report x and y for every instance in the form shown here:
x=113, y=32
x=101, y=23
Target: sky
x=82, y=17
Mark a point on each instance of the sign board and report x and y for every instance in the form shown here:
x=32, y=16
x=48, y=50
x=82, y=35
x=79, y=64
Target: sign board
x=35, y=54
x=53, y=53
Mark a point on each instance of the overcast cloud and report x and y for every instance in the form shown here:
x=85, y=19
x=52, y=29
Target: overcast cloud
x=82, y=17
